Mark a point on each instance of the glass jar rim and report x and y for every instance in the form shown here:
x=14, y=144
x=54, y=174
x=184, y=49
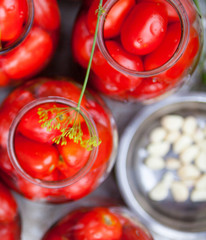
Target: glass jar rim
x=13, y=158
x=26, y=31
x=185, y=26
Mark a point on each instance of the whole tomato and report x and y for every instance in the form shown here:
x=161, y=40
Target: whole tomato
x=37, y=159
x=147, y=33
x=113, y=20
x=100, y=223
x=31, y=55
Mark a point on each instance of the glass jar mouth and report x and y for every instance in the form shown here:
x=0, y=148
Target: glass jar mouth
x=26, y=31
x=14, y=160
x=185, y=26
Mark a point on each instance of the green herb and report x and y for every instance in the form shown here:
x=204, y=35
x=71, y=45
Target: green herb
x=68, y=119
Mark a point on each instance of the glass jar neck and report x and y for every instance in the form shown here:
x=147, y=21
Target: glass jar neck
x=185, y=31
x=26, y=29
x=11, y=146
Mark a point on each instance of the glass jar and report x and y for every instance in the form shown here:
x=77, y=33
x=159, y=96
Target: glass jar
x=35, y=165
x=29, y=31
x=103, y=223
x=146, y=48
x=10, y=223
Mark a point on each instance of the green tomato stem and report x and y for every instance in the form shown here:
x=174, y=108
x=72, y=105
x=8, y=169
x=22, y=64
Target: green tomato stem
x=100, y=11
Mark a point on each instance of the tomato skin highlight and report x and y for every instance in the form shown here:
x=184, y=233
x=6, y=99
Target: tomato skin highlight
x=147, y=33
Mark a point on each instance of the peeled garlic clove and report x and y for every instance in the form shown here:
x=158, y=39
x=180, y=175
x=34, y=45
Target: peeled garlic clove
x=155, y=162
x=172, y=137
x=198, y=136
x=198, y=195
x=158, y=149
x=158, y=134
x=167, y=179
x=188, y=172
x=201, y=183
x=182, y=143
x=159, y=192
x=189, y=154
x=172, y=163
x=172, y=122
x=202, y=145
x=189, y=125
x=200, y=161
x=179, y=191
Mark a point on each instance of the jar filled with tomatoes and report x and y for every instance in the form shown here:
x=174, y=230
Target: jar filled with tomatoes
x=54, y=154
x=146, y=49
x=10, y=222
x=29, y=31
x=102, y=223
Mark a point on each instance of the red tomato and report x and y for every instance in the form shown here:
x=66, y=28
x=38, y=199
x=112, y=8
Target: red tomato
x=100, y=223
x=111, y=79
x=167, y=48
x=37, y=159
x=131, y=232
x=144, y=28
x=171, y=11
x=82, y=41
x=47, y=14
x=8, y=205
x=31, y=128
x=114, y=17
x=11, y=20
x=74, y=155
x=149, y=88
x=30, y=57
x=10, y=108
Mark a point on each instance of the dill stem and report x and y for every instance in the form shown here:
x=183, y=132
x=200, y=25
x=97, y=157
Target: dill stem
x=91, y=56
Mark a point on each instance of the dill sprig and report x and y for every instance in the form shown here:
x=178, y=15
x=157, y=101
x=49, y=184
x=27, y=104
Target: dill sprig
x=68, y=119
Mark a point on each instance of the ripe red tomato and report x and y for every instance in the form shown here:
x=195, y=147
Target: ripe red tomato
x=10, y=231
x=100, y=223
x=30, y=57
x=111, y=80
x=167, y=48
x=82, y=41
x=30, y=127
x=11, y=20
x=37, y=159
x=8, y=205
x=47, y=14
x=143, y=36
x=74, y=155
x=114, y=18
